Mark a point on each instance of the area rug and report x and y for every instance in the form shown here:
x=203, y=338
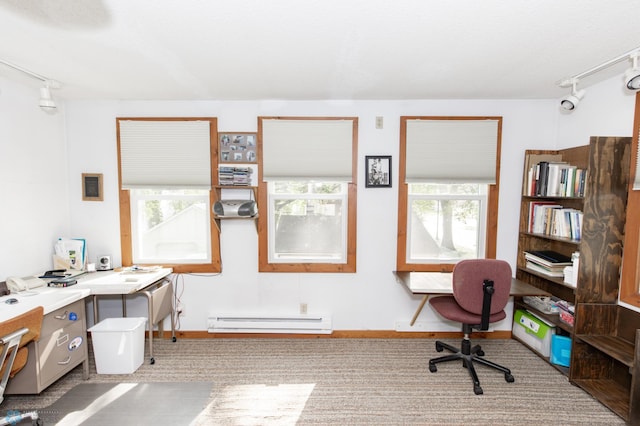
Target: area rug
x=157, y=404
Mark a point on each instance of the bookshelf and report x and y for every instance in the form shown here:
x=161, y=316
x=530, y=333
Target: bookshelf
x=532, y=238
x=605, y=355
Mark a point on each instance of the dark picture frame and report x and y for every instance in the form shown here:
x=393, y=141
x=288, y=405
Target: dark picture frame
x=237, y=147
x=377, y=171
x=92, y=187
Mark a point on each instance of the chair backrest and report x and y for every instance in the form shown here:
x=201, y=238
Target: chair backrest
x=32, y=320
x=468, y=278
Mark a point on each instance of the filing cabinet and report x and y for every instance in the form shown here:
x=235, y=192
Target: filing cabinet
x=62, y=347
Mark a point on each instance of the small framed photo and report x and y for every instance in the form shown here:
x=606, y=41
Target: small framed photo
x=378, y=171
x=92, y=187
x=237, y=147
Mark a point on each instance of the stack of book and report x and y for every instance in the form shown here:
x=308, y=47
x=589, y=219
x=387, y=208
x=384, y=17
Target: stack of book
x=234, y=176
x=242, y=176
x=555, y=179
x=547, y=262
x=549, y=218
x=225, y=175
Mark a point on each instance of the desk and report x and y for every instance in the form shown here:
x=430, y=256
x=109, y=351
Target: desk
x=152, y=283
x=432, y=283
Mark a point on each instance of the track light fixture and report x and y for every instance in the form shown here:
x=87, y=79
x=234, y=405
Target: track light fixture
x=571, y=101
x=632, y=75
x=47, y=104
x=631, y=78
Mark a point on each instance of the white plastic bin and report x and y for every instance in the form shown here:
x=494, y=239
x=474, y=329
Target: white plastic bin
x=118, y=345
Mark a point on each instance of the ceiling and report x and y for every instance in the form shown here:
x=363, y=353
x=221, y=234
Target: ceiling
x=314, y=49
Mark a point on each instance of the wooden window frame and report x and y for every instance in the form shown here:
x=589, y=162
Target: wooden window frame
x=125, y=202
x=403, y=197
x=263, y=219
x=630, y=277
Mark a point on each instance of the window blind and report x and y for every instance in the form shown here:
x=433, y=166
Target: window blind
x=307, y=149
x=450, y=151
x=165, y=154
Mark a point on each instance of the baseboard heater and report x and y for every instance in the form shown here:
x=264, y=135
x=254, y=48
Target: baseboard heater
x=297, y=324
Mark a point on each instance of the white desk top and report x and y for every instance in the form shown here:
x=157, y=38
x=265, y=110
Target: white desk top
x=48, y=297
x=440, y=283
x=123, y=282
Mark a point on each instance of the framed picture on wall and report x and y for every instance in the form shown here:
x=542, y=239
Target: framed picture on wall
x=237, y=147
x=92, y=187
x=378, y=171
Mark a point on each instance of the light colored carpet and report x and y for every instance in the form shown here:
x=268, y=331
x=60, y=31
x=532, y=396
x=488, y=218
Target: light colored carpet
x=354, y=382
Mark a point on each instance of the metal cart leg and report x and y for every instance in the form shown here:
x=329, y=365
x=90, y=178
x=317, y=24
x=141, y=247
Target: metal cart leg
x=160, y=305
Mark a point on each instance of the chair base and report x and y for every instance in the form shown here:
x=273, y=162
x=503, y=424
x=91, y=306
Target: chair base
x=15, y=417
x=469, y=355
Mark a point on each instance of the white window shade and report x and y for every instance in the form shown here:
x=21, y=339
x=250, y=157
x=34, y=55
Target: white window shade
x=307, y=149
x=165, y=154
x=450, y=151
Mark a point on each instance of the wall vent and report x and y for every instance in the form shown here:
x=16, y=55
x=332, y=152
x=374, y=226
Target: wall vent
x=311, y=324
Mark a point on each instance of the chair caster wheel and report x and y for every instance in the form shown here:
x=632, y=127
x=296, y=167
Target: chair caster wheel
x=439, y=348
x=477, y=390
x=433, y=368
x=38, y=422
x=152, y=361
x=480, y=353
x=509, y=378
x=173, y=339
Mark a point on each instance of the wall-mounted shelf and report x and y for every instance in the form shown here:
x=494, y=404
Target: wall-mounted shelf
x=253, y=195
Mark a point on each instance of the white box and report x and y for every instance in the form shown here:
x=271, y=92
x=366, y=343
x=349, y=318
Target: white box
x=533, y=331
x=118, y=345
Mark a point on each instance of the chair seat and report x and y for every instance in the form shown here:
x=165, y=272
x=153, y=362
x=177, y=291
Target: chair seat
x=449, y=308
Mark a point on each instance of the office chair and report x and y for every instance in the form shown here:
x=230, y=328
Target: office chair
x=16, y=333
x=480, y=292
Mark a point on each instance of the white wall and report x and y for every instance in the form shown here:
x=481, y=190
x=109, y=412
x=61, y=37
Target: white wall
x=606, y=110
x=34, y=159
x=368, y=299
x=34, y=185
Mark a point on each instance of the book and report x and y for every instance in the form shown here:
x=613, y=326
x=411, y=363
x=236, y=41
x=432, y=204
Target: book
x=548, y=258
x=546, y=271
x=534, y=210
x=541, y=216
x=542, y=176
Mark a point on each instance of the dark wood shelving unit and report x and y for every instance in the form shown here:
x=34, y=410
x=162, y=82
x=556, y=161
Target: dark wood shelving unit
x=605, y=352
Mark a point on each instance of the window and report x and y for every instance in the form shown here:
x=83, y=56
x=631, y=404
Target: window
x=307, y=194
x=446, y=222
x=307, y=223
x=447, y=208
x=172, y=225
x=165, y=196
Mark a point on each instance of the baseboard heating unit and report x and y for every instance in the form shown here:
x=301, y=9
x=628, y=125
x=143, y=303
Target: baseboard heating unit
x=298, y=324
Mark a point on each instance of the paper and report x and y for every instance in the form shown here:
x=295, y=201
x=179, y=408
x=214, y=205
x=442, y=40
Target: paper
x=70, y=253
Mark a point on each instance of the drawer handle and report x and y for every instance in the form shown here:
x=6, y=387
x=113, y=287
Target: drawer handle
x=61, y=317
x=62, y=340
x=67, y=361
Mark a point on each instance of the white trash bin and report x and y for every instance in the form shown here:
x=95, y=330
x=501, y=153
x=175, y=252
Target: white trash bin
x=118, y=345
